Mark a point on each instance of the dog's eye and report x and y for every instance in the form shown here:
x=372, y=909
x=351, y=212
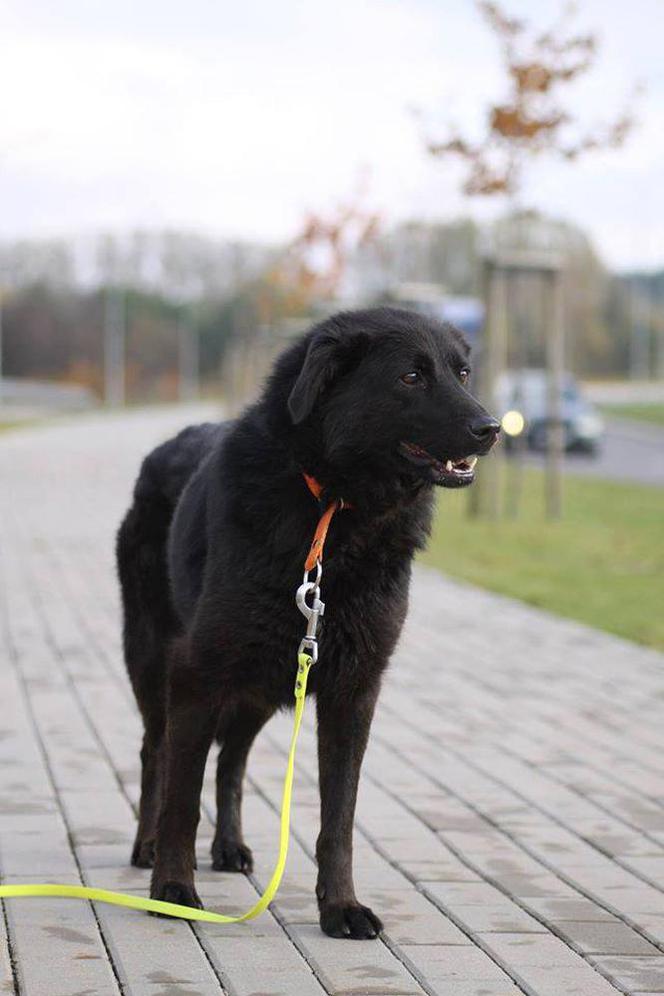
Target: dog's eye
x=464, y=374
x=411, y=378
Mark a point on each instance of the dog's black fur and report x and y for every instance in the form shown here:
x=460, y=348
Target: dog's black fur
x=212, y=550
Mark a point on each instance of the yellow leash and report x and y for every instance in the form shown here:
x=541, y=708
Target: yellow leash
x=187, y=912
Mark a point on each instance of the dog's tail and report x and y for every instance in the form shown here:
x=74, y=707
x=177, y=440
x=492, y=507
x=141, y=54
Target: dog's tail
x=149, y=621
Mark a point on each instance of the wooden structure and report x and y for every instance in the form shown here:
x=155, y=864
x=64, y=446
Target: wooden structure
x=501, y=268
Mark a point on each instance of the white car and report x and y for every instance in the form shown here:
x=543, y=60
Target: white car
x=524, y=393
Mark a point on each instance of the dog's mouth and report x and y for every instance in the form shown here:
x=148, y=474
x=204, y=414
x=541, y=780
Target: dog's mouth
x=446, y=473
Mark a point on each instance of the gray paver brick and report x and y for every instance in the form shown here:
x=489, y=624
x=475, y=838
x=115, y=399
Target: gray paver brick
x=409, y=918
x=450, y=894
x=59, y=948
x=358, y=967
x=653, y=924
x=634, y=973
x=555, y=909
x=522, y=950
x=249, y=966
x=505, y=919
x=449, y=965
x=604, y=938
x=582, y=981
x=545, y=966
x=6, y=974
x=147, y=951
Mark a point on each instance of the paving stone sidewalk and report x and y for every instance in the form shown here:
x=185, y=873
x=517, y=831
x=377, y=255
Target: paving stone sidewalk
x=510, y=826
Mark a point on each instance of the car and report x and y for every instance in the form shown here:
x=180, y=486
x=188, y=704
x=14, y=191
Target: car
x=522, y=398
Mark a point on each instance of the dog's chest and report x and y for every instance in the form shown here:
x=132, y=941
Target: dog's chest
x=361, y=623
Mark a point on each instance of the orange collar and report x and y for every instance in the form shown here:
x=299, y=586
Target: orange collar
x=315, y=554
x=314, y=486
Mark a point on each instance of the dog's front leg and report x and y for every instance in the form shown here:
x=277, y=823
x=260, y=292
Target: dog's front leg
x=343, y=731
x=191, y=722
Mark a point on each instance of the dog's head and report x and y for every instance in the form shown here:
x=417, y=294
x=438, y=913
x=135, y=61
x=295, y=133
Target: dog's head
x=387, y=389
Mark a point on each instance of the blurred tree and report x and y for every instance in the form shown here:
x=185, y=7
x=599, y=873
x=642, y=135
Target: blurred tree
x=533, y=119
x=56, y=289
x=56, y=334
x=54, y=304
x=52, y=333
x=445, y=253
x=151, y=359
x=37, y=261
x=307, y=277
x=314, y=265
x=167, y=262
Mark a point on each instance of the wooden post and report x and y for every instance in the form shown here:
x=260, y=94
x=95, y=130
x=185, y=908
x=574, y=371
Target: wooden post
x=497, y=366
x=555, y=350
x=639, y=340
x=476, y=493
x=485, y=495
x=519, y=283
x=1, y=346
x=658, y=329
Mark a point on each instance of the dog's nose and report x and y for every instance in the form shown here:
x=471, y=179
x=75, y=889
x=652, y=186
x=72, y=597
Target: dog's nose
x=485, y=428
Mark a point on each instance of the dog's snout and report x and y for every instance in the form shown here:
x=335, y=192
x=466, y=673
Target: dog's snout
x=485, y=428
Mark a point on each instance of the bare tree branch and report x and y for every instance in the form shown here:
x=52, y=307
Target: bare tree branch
x=533, y=119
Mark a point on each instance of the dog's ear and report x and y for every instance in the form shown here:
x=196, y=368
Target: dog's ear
x=330, y=353
x=320, y=366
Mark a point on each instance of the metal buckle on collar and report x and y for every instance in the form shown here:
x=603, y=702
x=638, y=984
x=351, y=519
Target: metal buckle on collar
x=312, y=612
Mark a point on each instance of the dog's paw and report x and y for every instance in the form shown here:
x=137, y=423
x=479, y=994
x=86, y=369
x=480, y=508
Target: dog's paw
x=350, y=920
x=175, y=892
x=142, y=855
x=231, y=856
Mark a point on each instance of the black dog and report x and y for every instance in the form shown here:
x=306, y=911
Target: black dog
x=373, y=405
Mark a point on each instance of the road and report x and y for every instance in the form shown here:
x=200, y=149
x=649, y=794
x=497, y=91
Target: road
x=625, y=392
x=631, y=451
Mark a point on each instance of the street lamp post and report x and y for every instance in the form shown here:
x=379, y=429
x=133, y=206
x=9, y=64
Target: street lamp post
x=188, y=359
x=114, y=347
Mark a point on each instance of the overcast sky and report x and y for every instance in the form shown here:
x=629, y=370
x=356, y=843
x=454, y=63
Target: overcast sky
x=235, y=117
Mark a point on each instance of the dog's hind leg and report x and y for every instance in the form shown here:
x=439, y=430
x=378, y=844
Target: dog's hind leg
x=229, y=852
x=193, y=716
x=149, y=628
x=142, y=855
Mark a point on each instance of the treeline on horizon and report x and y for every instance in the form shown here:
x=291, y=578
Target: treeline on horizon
x=55, y=297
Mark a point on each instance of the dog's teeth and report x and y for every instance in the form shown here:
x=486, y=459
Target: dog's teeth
x=449, y=466
x=471, y=461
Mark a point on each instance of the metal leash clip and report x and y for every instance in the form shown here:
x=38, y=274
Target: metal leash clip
x=312, y=612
